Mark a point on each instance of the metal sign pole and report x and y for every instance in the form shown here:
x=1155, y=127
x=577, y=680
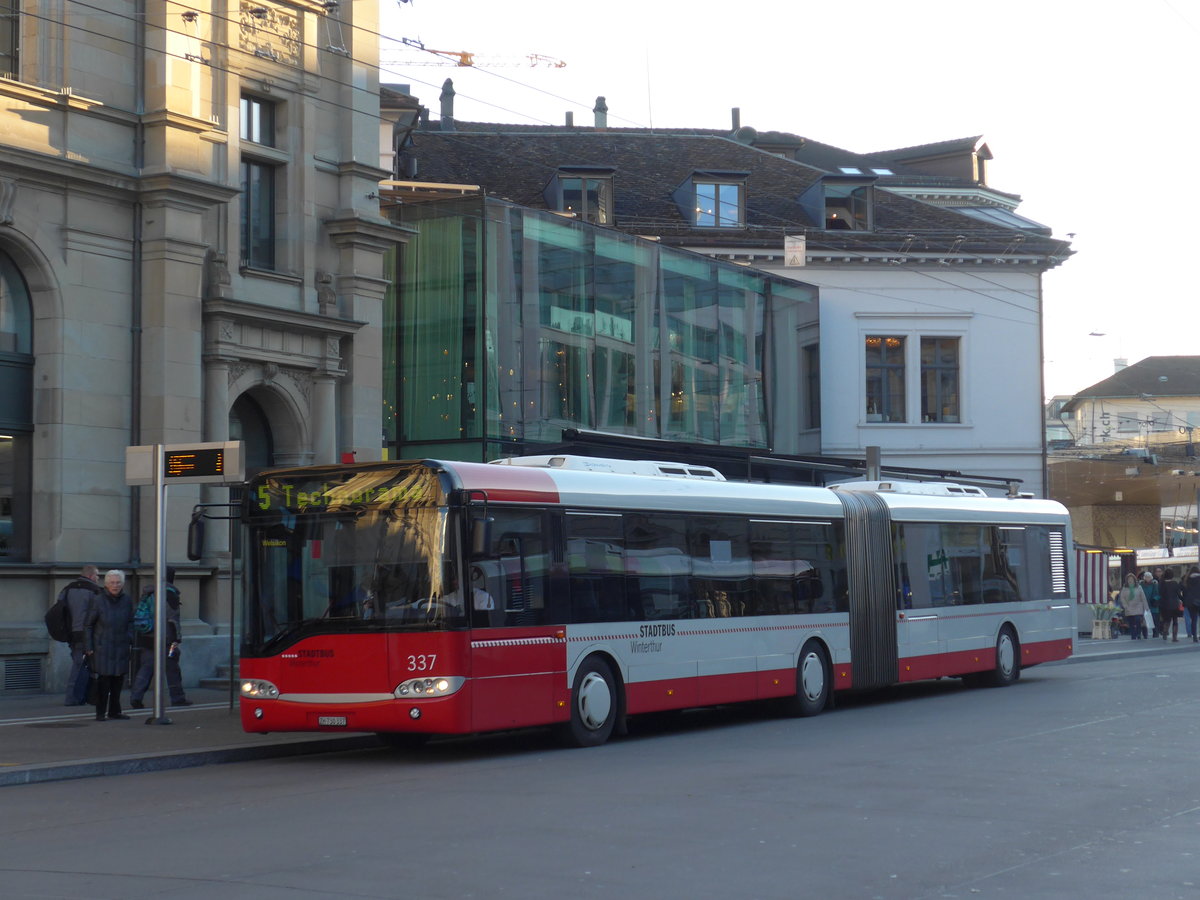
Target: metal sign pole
x=214, y=462
x=160, y=545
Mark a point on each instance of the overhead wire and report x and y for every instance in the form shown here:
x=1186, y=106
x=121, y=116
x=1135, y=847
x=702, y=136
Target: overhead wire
x=843, y=237
x=229, y=48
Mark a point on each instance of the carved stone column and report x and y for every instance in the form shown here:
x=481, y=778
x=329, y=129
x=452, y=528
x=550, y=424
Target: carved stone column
x=324, y=412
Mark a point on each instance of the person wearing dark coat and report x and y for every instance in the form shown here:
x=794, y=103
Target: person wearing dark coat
x=107, y=639
x=1191, y=601
x=1170, y=600
x=78, y=596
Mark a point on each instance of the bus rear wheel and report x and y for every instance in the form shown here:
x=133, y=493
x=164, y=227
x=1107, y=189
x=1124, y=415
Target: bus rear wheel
x=813, y=682
x=595, y=703
x=1008, y=661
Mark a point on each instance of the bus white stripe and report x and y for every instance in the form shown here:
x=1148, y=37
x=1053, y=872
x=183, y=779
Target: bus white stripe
x=516, y=642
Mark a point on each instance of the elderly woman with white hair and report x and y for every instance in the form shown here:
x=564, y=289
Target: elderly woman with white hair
x=107, y=637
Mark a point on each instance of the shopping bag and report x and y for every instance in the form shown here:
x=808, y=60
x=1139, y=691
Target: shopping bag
x=1149, y=620
x=92, y=694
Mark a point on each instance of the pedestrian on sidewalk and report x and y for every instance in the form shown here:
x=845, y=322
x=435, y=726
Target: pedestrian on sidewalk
x=1150, y=589
x=144, y=646
x=1191, y=601
x=107, y=637
x=78, y=597
x=1133, y=604
x=1170, y=604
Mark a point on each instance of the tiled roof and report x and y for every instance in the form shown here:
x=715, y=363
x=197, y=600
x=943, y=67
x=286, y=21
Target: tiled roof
x=517, y=162
x=1154, y=376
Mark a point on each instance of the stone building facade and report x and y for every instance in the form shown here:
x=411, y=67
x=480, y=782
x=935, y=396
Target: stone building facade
x=190, y=250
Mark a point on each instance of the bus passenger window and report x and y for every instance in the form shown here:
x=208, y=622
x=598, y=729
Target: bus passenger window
x=799, y=567
x=596, y=566
x=720, y=558
x=659, y=567
x=514, y=572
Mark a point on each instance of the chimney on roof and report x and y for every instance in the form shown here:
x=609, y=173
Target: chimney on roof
x=737, y=118
x=601, y=111
x=447, y=99
x=570, y=119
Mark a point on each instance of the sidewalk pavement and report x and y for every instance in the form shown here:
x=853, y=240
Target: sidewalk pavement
x=42, y=740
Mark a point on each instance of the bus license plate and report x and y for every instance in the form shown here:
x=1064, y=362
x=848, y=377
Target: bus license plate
x=332, y=720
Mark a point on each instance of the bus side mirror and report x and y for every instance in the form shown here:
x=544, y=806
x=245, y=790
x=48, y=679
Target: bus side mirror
x=481, y=536
x=195, y=536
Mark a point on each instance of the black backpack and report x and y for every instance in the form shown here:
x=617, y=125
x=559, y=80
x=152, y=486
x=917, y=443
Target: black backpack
x=58, y=620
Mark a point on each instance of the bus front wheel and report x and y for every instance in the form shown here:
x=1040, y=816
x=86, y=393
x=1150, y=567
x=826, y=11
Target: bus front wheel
x=595, y=702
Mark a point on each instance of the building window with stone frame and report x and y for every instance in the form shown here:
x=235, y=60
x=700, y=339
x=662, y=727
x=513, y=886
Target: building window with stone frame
x=258, y=215
x=940, y=362
x=10, y=37
x=16, y=412
x=262, y=165
x=885, y=369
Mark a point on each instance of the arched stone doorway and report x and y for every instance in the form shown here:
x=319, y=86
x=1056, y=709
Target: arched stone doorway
x=249, y=424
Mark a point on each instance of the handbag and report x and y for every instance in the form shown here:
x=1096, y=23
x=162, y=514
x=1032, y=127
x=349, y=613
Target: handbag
x=1149, y=620
x=92, y=694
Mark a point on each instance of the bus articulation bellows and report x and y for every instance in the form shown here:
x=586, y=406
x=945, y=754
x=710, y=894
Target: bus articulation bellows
x=428, y=597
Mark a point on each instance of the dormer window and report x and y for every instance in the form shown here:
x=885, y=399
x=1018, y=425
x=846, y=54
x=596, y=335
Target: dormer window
x=585, y=193
x=714, y=199
x=848, y=207
x=841, y=202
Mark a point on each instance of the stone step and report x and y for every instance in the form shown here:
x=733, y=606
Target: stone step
x=221, y=680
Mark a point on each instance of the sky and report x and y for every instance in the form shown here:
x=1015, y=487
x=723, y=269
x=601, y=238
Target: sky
x=1086, y=105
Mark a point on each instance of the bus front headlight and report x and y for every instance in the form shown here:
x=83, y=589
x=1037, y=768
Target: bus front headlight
x=434, y=686
x=258, y=689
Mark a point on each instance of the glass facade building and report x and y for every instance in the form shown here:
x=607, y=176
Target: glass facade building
x=507, y=325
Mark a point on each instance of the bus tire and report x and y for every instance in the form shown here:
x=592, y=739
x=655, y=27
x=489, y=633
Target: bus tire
x=595, y=704
x=813, y=681
x=402, y=740
x=1008, y=660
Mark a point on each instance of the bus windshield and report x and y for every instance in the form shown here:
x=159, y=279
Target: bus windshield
x=356, y=566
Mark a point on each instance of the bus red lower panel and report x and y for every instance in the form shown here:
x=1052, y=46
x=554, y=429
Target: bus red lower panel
x=964, y=662
x=716, y=689
x=657, y=696
x=778, y=683
x=1046, y=651
x=708, y=690
x=518, y=677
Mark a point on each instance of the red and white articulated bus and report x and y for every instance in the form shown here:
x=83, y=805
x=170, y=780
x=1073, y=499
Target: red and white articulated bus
x=429, y=597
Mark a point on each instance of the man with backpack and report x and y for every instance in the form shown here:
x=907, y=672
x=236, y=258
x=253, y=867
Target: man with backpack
x=77, y=597
x=143, y=642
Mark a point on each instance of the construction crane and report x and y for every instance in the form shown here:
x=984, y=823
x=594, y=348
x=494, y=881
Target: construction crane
x=465, y=58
